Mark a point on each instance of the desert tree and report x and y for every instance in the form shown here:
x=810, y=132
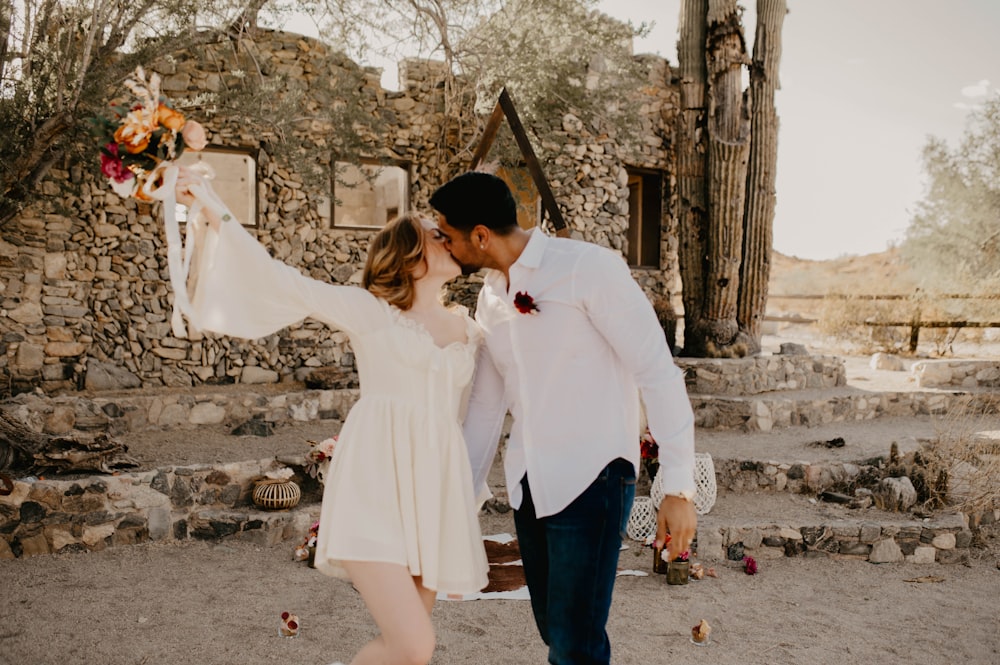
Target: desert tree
x=60, y=60
x=726, y=140
x=953, y=240
x=554, y=57
x=57, y=59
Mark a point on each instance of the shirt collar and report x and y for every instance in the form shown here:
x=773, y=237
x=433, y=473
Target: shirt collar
x=531, y=255
x=530, y=259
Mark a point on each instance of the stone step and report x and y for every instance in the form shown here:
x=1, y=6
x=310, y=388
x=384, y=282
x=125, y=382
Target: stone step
x=96, y=512
x=811, y=460
x=757, y=412
x=775, y=525
x=769, y=411
x=753, y=394
x=260, y=527
x=767, y=526
x=205, y=501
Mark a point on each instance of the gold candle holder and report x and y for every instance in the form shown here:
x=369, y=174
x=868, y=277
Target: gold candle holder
x=678, y=572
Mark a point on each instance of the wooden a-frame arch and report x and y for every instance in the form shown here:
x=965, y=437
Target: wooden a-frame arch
x=505, y=107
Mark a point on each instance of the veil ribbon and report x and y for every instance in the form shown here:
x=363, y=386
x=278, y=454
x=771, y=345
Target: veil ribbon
x=160, y=185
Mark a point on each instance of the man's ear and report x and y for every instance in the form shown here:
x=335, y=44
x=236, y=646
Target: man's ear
x=480, y=235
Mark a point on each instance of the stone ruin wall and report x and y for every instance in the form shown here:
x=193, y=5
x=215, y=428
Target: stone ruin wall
x=84, y=287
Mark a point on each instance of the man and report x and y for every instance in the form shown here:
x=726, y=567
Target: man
x=570, y=337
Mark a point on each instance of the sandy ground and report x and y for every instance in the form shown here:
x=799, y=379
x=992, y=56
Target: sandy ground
x=210, y=604
x=204, y=604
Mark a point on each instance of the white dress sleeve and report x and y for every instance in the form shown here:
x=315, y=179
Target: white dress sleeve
x=236, y=288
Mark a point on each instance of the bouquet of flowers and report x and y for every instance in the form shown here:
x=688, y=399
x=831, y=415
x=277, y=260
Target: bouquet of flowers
x=139, y=145
x=142, y=136
x=318, y=458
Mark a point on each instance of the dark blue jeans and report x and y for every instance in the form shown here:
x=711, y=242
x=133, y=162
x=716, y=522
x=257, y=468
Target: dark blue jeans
x=570, y=561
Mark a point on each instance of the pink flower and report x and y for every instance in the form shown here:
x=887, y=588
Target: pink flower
x=749, y=565
x=194, y=135
x=112, y=165
x=524, y=303
x=326, y=446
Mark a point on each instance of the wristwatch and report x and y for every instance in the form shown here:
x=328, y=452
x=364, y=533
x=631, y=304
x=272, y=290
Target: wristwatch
x=687, y=495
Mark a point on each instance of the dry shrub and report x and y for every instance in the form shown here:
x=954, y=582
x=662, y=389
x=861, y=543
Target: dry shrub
x=843, y=318
x=855, y=319
x=961, y=464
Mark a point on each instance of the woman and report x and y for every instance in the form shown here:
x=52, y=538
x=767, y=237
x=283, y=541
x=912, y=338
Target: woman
x=398, y=515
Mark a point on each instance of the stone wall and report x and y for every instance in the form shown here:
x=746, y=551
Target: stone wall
x=84, y=289
x=963, y=373
x=200, y=501
x=761, y=374
x=945, y=539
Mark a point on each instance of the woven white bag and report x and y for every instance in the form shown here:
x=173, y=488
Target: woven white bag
x=704, y=480
x=642, y=519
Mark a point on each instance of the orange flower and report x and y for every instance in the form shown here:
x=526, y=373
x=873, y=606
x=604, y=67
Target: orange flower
x=134, y=132
x=169, y=118
x=141, y=195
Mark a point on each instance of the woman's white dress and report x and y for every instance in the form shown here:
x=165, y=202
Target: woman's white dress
x=399, y=487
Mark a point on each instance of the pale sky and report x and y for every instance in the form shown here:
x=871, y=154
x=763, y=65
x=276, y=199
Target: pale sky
x=863, y=84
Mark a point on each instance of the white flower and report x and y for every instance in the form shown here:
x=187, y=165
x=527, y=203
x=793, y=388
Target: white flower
x=280, y=474
x=123, y=189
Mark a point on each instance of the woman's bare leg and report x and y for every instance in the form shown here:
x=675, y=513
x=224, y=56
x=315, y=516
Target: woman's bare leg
x=401, y=609
x=428, y=596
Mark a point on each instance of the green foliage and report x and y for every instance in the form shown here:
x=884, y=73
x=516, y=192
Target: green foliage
x=954, y=238
x=57, y=60
x=557, y=58
x=554, y=57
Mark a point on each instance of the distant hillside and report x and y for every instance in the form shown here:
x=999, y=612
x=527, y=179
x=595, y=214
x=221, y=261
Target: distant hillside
x=879, y=273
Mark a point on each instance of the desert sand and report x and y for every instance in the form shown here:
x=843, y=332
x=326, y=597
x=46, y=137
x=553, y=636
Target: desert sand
x=204, y=603
x=220, y=604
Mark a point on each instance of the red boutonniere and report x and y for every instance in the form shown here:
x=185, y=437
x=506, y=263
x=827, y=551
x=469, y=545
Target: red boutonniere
x=524, y=303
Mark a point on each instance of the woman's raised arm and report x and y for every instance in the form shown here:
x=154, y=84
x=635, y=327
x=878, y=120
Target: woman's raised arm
x=236, y=288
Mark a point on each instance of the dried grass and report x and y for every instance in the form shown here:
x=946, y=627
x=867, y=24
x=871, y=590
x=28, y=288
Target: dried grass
x=962, y=462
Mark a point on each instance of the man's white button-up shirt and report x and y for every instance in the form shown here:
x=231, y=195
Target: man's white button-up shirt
x=571, y=375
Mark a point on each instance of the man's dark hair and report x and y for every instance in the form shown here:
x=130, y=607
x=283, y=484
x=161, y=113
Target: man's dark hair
x=476, y=198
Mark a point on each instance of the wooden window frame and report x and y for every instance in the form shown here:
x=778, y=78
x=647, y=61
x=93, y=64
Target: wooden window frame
x=645, y=216
x=244, y=210
x=369, y=163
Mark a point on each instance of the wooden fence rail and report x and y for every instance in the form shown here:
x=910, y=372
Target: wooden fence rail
x=914, y=324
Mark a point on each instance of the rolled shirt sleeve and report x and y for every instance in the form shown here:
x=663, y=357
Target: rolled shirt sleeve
x=622, y=313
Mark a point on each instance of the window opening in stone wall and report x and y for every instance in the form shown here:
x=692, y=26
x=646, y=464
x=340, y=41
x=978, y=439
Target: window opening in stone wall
x=234, y=178
x=369, y=194
x=645, y=210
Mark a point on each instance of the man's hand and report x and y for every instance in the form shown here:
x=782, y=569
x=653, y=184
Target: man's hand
x=676, y=514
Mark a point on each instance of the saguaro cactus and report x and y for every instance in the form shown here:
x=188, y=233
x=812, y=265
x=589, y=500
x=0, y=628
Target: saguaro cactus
x=727, y=150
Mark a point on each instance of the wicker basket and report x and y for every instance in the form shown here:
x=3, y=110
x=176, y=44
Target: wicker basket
x=276, y=494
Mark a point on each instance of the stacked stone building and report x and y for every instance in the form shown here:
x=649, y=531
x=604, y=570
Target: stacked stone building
x=84, y=286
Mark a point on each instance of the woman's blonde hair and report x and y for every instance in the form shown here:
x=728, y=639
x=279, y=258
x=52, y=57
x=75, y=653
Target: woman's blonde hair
x=394, y=254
